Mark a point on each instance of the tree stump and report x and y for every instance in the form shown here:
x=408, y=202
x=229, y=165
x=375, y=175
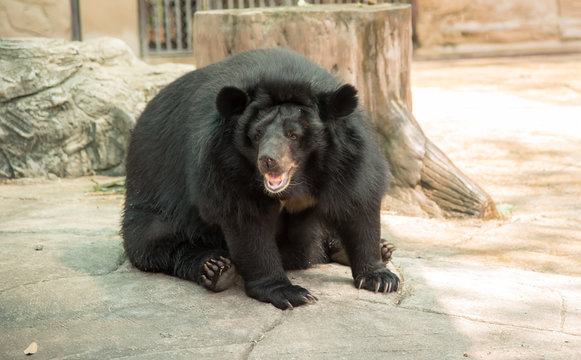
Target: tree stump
x=369, y=47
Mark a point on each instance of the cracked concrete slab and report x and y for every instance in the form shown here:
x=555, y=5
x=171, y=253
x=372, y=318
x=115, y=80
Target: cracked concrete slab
x=502, y=289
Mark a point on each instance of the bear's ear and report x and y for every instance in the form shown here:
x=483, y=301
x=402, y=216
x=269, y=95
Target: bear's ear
x=343, y=101
x=231, y=101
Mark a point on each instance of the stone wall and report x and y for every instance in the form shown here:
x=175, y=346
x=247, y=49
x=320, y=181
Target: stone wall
x=475, y=27
x=443, y=28
x=116, y=18
x=45, y=18
x=52, y=19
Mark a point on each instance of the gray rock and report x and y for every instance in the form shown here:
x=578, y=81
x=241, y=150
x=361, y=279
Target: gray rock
x=67, y=108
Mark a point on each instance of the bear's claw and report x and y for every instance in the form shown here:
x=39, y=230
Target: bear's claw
x=379, y=280
x=218, y=274
x=386, y=249
x=280, y=293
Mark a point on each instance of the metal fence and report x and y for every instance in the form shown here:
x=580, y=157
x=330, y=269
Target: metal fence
x=165, y=26
x=241, y=4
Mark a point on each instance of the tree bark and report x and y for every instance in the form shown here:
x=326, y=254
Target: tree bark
x=369, y=47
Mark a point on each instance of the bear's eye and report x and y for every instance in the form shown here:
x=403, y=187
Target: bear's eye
x=291, y=135
x=257, y=135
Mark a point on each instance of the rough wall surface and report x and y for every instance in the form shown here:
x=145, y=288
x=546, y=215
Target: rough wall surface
x=474, y=27
x=46, y=18
x=67, y=108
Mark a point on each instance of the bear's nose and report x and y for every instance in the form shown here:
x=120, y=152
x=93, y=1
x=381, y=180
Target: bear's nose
x=268, y=162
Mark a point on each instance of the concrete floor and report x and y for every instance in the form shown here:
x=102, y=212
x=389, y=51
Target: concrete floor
x=502, y=289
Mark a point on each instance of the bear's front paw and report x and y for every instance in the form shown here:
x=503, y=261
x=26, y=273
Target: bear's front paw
x=280, y=293
x=378, y=280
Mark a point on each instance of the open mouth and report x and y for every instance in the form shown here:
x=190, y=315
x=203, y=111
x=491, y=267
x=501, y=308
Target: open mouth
x=276, y=183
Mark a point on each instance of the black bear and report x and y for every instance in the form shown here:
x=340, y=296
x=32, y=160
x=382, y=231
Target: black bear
x=259, y=163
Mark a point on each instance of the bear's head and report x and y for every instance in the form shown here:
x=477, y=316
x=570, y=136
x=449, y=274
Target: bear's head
x=282, y=130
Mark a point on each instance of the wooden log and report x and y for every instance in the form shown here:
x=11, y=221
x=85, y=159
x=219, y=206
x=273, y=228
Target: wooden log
x=369, y=47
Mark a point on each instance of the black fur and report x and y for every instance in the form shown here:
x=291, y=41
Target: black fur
x=209, y=160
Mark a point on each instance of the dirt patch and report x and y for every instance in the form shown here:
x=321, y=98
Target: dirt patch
x=555, y=79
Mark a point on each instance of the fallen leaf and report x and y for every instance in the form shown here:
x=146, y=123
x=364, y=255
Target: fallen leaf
x=31, y=349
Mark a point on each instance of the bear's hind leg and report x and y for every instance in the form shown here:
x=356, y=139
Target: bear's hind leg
x=153, y=246
x=218, y=274
x=338, y=254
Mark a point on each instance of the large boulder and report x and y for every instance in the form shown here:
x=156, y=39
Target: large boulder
x=67, y=108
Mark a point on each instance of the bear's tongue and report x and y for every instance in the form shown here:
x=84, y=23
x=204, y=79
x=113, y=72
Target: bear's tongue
x=275, y=181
